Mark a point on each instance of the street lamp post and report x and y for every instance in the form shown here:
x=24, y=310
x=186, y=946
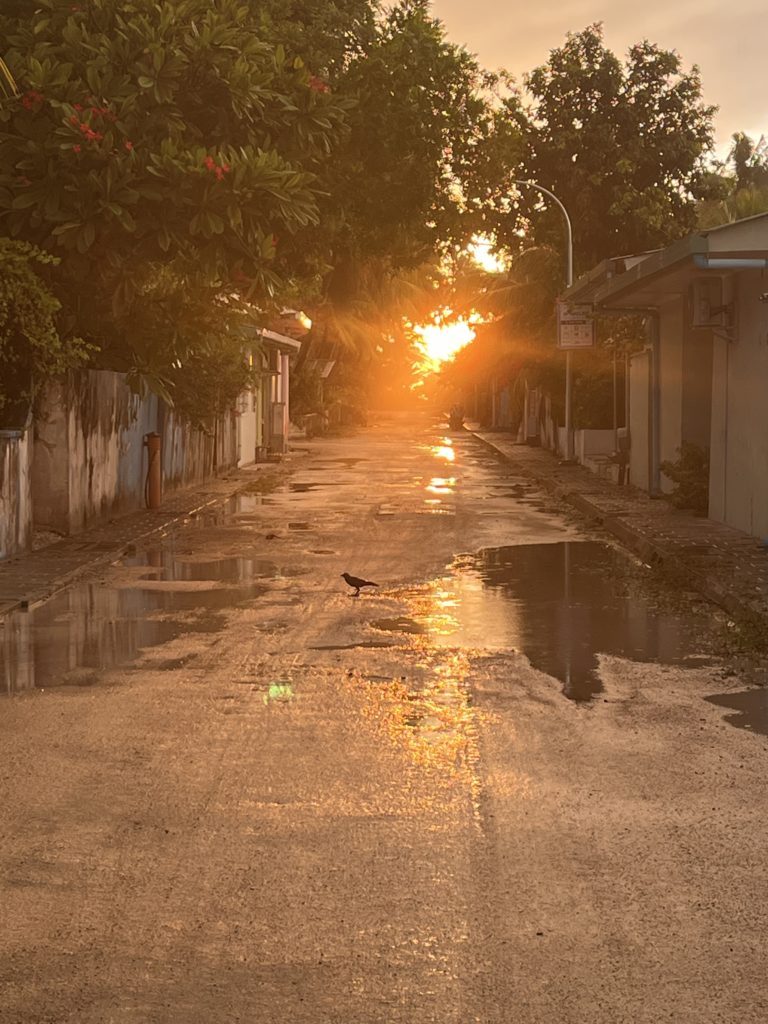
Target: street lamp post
x=568, y=283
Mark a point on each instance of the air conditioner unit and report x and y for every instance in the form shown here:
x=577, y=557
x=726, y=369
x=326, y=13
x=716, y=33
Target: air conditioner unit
x=707, y=308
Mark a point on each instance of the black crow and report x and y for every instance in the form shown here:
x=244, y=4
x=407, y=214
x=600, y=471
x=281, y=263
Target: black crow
x=357, y=583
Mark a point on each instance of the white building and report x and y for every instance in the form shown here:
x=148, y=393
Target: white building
x=703, y=374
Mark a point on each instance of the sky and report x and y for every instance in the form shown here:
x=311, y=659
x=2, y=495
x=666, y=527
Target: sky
x=728, y=41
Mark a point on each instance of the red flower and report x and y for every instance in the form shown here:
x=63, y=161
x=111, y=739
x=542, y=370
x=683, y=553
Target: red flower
x=209, y=162
x=318, y=85
x=78, y=106
x=31, y=98
x=77, y=147
x=128, y=145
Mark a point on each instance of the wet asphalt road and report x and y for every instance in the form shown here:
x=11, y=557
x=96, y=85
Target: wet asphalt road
x=513, y=784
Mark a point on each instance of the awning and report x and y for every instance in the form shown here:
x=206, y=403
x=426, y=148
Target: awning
x=648, y=280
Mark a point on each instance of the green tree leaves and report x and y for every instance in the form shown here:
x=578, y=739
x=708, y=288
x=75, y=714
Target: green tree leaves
x=621, y=143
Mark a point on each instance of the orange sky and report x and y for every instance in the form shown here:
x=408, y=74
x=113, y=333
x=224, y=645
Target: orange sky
x=726, y=40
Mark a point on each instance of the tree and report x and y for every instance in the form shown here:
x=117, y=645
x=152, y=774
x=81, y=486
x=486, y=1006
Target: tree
x=400, y=188
x=31, y=348
x=739, y=185
x=622, y=144
x=750, y=161
x=165, y=151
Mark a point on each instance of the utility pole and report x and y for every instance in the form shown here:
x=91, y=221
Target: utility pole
x=568, y=283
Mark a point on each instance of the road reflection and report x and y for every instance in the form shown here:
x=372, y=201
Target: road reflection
x=561, y=605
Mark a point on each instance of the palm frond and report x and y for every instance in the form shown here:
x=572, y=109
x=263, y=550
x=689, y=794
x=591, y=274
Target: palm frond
x=7, y=81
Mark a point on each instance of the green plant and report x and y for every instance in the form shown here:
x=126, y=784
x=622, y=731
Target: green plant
x=31, y=348
x=690, y=474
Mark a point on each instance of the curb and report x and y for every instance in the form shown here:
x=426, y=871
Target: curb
x=639, y=544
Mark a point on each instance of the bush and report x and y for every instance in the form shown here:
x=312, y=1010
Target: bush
x=31, y=349
x=690, y=474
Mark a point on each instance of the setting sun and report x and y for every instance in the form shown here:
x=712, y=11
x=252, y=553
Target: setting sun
x=438, y=342
x=481, y=251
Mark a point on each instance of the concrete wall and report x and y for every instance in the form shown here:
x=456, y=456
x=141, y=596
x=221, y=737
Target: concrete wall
x=639, y=419
x=671, y=328
x=739, y=436
x=592, y=442
x=247, y=429
x=89, y=458
x=15, y=491
x=697, y=387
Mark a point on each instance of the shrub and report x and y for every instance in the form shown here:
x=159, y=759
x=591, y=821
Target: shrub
x=690, y=474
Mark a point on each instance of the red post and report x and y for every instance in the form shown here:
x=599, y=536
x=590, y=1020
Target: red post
x=153, y=484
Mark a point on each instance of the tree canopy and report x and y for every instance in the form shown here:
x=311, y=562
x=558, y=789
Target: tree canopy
x=180, y=156
x=622, y=143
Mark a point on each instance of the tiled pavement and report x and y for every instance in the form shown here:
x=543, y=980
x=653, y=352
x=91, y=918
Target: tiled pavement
x=32, y=577
x=723, y=564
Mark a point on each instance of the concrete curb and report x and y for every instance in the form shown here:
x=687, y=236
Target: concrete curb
x=640, y=544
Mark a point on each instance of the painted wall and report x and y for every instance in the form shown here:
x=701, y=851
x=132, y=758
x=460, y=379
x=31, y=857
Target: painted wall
x=671, y=328
x=89, y=457
x=15, y=492
x=639, y=419
x=589, y=442
x=89, y=460
x=247, y=428
x=739, y=464
x=697, y=387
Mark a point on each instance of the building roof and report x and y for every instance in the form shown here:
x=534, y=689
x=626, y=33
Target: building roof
x=649, y=279
x=280, y=341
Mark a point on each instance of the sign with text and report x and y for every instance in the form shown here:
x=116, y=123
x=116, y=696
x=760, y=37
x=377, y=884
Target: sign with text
x=575, y=325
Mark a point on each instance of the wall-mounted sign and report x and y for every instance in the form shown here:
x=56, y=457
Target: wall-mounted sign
x=575, y=325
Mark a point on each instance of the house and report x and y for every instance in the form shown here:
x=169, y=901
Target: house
x=702, y=375
x=263, y=410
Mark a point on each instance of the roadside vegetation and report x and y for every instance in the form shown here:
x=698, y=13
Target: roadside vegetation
x=178, y=166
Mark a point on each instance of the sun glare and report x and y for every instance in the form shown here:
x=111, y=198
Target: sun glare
x=439, y=342
x=481, y=251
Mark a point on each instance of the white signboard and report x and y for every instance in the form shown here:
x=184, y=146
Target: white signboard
x=575, y=325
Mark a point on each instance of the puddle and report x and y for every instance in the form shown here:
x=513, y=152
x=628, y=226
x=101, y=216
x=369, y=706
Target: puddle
x=347, y=462
x=185, y=568
x=750, y=707
x=298, y=526
x=91, y=628
x=402, y=624
x=441, y=485
x=560, y=605
x=367, y=644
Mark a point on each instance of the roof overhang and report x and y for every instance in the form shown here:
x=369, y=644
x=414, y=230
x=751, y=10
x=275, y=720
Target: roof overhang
x=271, y=339
x=653, y=279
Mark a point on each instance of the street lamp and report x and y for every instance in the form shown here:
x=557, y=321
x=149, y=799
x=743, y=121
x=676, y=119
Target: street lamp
x=568, y=283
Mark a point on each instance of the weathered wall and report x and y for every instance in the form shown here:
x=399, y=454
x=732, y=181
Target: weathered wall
x=15, y=492
x=89, y=457
x=639, y=419
x=247, y=428
x=90, y=462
